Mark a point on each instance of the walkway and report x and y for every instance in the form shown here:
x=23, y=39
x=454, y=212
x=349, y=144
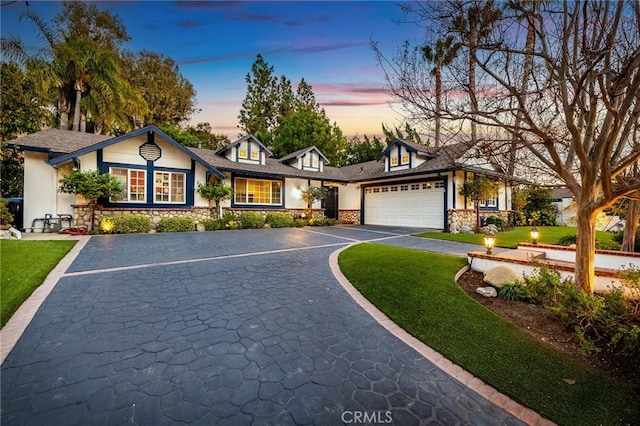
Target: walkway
x=229, y=327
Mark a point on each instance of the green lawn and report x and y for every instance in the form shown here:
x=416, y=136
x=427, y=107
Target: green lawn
x=416, y=289
x=24, y=265
x=511, y=238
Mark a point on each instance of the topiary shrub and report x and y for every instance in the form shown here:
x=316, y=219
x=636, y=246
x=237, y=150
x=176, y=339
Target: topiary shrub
x=176, y=224
x=212, y=225
x=252, y=220
x=279, y=220
x=125, y=223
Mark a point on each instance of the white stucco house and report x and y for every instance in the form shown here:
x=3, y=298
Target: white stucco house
x=408, y=185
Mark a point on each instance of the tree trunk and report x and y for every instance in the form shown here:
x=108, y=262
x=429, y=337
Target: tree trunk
x=438, y=75
x=477, y=203
x=76, y=108
x=472, y=84
x=93, y=214
x=63, y=110
x=631, y=226
x=586, y=248
x=83, y=123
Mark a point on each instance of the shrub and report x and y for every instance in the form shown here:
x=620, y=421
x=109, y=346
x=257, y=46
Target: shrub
x=498, y=221
x=618, y=235
x=125, y=223
x=252, y=220
x=212, y=225
x=176, y=224
x=568, y=240
x=516, y=291
x=279, y=220
x=6, y=218
x=319, y=221
x=299, y=223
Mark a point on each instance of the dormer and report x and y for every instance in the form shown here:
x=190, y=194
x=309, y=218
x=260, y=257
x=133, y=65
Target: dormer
x=247, y=149
x=402, y=155
x=306, y=159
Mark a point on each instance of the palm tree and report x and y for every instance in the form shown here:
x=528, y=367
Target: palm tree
x=441, y=54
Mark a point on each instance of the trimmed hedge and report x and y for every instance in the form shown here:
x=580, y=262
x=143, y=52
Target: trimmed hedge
x=126, y=223
x=251, y=220
x=176, y=224
x=279, y=220
x=212, y=225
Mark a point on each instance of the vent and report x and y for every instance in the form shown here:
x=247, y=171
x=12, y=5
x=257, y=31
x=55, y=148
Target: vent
x=150, y=151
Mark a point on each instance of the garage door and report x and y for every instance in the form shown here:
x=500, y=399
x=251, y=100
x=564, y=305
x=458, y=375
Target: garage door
x=418, y=204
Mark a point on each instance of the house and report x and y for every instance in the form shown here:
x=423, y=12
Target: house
x=564, y=199
x=408, y=185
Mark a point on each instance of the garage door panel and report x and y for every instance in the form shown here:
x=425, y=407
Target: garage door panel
x=422, y=205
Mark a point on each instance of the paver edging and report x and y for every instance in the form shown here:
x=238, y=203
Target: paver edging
x=17, y=324
x=519, y=411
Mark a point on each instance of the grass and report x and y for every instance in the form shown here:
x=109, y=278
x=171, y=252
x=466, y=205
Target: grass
x=520, y=234
x=416, y=289
x=24, y=265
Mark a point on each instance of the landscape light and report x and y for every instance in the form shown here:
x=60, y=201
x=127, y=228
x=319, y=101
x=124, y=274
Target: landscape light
x=535, y=235
x=489, y=241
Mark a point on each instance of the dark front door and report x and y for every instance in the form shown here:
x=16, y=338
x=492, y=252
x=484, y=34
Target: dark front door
x=330, y=203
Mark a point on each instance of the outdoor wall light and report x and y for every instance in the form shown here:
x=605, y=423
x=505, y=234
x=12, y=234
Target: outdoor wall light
x=489, y=241
x=535, y=235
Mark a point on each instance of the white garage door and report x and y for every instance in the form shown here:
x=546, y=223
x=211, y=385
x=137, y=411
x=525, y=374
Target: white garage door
x=419, y=204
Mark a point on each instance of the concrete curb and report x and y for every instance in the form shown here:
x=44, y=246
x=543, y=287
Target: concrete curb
x=517, y=410
x=18, y=323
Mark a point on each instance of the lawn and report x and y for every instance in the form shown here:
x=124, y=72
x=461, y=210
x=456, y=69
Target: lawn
x=24, y=265
x=520, y=234
x=416, y=289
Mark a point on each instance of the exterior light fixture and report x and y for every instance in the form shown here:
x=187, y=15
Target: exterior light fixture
x=489, y=241
x=106, y=225
x=535, y=235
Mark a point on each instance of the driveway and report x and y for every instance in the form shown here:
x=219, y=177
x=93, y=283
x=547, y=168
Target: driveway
x=227, y=327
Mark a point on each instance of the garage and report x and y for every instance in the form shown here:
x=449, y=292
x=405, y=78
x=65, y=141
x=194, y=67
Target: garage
x=418, y=204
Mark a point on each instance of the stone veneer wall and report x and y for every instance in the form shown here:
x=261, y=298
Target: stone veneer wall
x=82, y=214
x=467, y=217
x=349, y=216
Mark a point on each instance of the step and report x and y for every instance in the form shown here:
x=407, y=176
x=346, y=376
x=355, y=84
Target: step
x=520, y=254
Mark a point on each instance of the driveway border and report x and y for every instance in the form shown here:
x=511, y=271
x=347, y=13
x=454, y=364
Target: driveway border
x=469, y=380
x=17, y=324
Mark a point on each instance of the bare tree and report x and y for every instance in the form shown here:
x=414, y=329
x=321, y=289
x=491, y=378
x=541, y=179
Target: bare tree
x=578, y=110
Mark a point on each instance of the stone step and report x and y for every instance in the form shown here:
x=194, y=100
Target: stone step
x=521, y=254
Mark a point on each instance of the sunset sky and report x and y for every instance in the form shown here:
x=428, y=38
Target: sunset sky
x=214, y=43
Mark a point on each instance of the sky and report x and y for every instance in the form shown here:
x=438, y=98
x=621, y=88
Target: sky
x=215, y=43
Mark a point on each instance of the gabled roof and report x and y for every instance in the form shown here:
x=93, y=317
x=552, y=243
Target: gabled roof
x=301, y=152
x=242, y=139
x=56, y=140
x=418, y=148
x=105, y=143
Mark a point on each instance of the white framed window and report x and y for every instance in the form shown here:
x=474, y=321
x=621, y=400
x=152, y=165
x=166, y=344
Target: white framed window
x=376, y=190
x=394, y=189
x=394, y=161
x=385, y=189
x=255, y=155
x=367, y=191
x=415, y=186
x=439, y=184
x=258, y=191
x=404, y=159
x=404, y=187
x=426, y=185
x=132, y=183
x=170, y=187
x=242, y=153
x=490, y=202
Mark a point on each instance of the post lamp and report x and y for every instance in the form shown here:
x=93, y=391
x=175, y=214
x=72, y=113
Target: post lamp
x=489, y=241
x=535, y=235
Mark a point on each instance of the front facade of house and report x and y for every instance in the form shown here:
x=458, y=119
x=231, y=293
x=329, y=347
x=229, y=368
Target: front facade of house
x=409, y=185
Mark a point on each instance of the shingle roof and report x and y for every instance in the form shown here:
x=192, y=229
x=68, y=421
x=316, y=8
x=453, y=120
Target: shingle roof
x=300, y=152
x=242, y=139
x=57, y=140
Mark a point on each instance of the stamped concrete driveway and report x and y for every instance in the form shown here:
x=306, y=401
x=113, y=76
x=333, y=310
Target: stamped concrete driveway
x=229, y=327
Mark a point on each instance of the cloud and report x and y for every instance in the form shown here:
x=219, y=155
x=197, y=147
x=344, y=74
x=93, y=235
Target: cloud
x=327, y=47
x=275, y=19
x=228, y=57
x=349, y=103
x=349, y=88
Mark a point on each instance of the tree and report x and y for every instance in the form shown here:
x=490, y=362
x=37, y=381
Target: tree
x=409, y=134
x=307, y=127
x=85, y=20
x=169, y=96
x=91, y=185
x=577, y=114
x=11, y=171
x=206, y=139
x=183, y=137
x=217, y=192
x=259, y=108
x=359, y=151
x=539, y=208
x=27, y=112
x=312, y=194
x=478, y=189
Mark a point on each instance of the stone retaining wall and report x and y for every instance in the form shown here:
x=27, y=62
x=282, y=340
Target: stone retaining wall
x=467, y=217
x=82, y=214
x=349, y=216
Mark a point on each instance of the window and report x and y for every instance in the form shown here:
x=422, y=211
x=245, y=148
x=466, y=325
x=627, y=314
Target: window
x=242, y=153
x=394, y=189
x=132, y=182
x=490, y=202
x=385, y=189
x=394, y=161
x=255, y=155
x=415, y=186
x=254, y=191
x=439, y=184
x=368, y=190
x=169, y=187
x=404, y=187
x=404, y=159
x=426, y=185
x=375, y=190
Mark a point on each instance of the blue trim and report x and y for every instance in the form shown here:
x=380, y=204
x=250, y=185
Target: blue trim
x=99, y=161
x=152, y=129
x=190, y=184
x=150, y=193
x=453, y=188
x=362, y=205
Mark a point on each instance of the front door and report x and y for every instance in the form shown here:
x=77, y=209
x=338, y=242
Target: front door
x=330, y=203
